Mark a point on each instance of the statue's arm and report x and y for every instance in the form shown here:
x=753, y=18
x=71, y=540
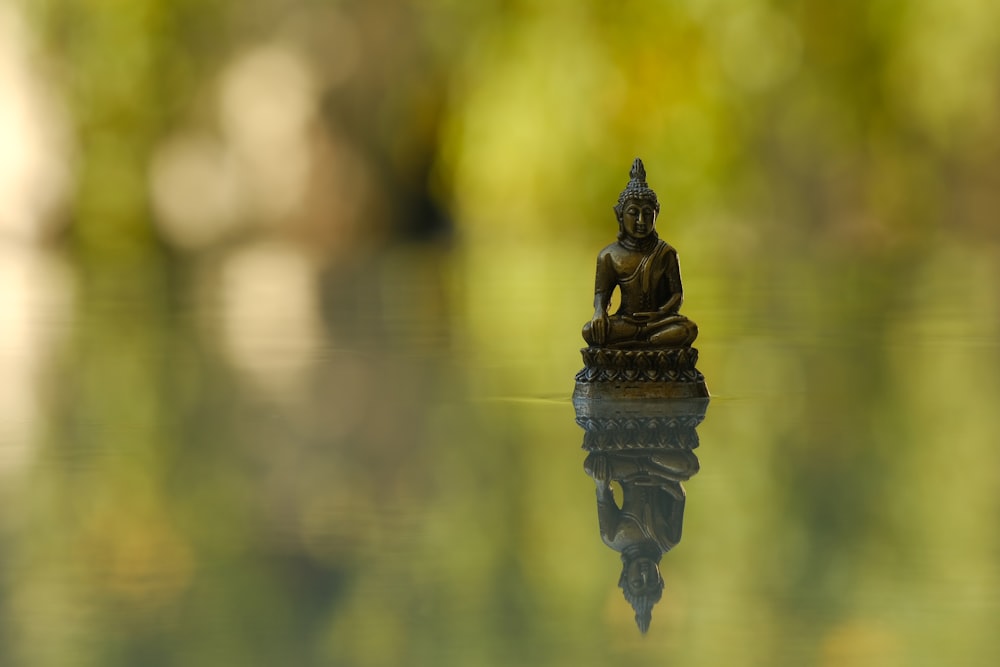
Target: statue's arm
x=673, y=276
x=607, y=511
x=670, y=519
x=604, y=285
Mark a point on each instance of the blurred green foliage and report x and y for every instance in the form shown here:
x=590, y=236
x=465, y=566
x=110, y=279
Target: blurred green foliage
x=859, y=124
x=128, y=72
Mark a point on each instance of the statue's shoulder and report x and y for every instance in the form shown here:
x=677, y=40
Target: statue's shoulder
x=610, y=252
x=612, y=248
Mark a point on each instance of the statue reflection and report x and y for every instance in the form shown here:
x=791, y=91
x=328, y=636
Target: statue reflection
x=647, y=448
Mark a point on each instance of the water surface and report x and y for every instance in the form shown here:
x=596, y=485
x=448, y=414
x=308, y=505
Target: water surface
x=268, y=463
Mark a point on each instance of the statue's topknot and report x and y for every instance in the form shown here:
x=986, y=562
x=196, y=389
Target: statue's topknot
x=642, y=602
x=637, y=189
x=638, y=172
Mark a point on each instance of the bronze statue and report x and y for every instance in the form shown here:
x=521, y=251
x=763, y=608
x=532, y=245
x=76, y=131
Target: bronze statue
x=645, y=270
x=644, y=348
x=647, y=448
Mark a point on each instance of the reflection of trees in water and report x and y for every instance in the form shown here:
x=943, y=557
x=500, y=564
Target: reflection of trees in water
x=195, y=499
x=192, y=511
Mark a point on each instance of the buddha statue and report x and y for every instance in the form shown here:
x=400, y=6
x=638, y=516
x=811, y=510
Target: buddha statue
x=645, y=270
x=643, y=349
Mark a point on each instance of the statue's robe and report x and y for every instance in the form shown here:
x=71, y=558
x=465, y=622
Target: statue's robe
x=647, y=279
x=654, y=281
x=649, y=514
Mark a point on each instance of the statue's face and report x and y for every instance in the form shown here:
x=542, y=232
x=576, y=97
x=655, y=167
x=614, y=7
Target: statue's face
x=642, y=574
x=638, y=218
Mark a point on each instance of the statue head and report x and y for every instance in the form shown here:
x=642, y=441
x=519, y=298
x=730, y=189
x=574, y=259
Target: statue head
x=642, y=585
x=637, y=205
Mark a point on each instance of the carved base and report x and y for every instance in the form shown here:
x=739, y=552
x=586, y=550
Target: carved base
x=611, y=373
x=631, y=426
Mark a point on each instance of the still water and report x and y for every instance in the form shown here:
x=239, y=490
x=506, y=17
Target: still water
x=265, y=462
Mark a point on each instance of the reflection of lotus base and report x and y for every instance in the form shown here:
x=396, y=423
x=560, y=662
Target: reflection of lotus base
x=611, y=373
x=639, y=426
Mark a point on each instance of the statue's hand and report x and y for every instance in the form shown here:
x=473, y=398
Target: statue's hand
x=640, y=318
x=599, y=327
x=657, y=318
x=601, y=470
